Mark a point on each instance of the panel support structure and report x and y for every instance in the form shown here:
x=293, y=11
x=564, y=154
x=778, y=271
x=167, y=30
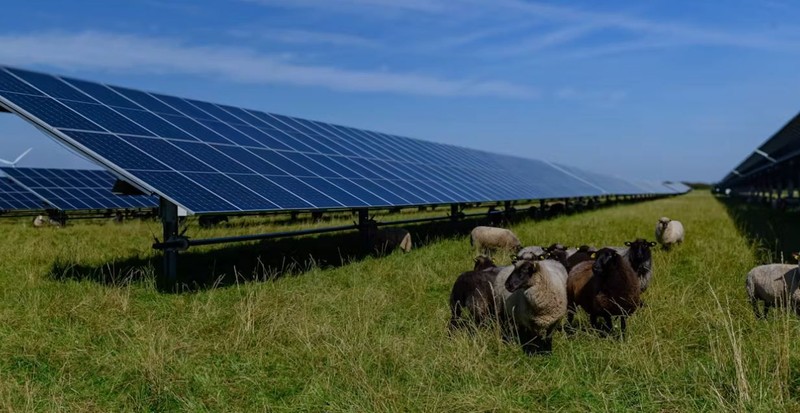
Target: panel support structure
x=169, y=219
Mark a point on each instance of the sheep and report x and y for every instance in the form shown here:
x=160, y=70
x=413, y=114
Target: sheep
x=535, y=301
x=40, y=221
x=604, y=288
x=530, y=252
x=209, y=221
x=578, y=255
x=641, y=260
x=775, y=285
x=473, y=291
x=669, y=232
x=486, y=239
x=533, y=251
x=385, y=240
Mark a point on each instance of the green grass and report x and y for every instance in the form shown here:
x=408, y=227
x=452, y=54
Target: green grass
x=371, y=335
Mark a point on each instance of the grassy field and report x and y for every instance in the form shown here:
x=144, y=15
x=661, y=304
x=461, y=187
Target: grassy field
x=370, y=335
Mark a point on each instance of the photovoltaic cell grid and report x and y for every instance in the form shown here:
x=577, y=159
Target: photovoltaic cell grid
x=74, y=190
x=16, y=198
x=209, y=157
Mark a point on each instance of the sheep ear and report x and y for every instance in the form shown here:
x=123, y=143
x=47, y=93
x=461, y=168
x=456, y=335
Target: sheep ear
x=653, y=243
x=627, y=243
x=594, y=255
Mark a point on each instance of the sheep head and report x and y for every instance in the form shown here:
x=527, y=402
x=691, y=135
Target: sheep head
x=483, y=262
x=602, y=259
x=522, y=274
x=663, y=222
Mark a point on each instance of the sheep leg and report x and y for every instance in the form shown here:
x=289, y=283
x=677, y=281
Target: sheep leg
x=623, y=325
x=609, y=324
x=756, y=311
x=533, y=344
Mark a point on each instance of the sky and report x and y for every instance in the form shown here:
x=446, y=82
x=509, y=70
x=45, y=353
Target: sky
x=656, y=90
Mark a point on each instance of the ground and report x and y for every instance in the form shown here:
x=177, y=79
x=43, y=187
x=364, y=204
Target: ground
x=371, y=334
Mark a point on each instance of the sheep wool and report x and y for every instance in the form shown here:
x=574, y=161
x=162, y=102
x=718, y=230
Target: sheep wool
x=486, y=239
x=669, y=232
x=774, y=285
x=387, y=239
x=535, y=301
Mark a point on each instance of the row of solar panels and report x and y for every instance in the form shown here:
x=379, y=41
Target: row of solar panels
x=783, y=146
x=212, y=158
x=33, y=189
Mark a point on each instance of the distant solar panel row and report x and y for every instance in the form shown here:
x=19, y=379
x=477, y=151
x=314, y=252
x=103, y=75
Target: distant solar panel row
x=778, y=150
x=75, y=190
x=14, y=197
x=210, y=158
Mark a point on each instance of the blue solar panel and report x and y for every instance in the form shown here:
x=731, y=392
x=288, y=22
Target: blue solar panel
x=16, y=198
x=74, y=189
x=209, y=158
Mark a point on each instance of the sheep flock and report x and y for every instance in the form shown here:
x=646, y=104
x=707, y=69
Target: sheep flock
x=544, y=287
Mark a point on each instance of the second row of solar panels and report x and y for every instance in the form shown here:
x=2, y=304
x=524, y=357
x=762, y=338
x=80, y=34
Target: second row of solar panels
x=67, y=190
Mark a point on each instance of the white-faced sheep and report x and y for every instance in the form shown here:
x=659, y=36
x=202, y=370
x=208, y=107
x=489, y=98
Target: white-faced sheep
x=535, y=301
x=669, y=232
x=473, y=292
x=488, y=239
x=774, y=285
x=604, y=288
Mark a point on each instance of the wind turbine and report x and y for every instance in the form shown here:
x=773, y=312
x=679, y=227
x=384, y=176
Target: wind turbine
x=13, y=164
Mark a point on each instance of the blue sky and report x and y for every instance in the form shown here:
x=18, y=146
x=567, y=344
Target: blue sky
x=647, y=90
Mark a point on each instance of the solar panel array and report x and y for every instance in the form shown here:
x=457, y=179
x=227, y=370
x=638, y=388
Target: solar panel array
x=775, y=154
x=75, y=190
x=14, y=197
x=209, y=158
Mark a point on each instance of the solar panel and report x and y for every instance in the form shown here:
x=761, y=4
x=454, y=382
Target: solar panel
x=609, y=184
x=16, y=198
x=75, y=190
x=209, y=158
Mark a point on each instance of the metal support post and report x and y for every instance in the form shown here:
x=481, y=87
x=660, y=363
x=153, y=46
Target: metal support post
x=363, y=230
x=169, y=219
x=454, y=212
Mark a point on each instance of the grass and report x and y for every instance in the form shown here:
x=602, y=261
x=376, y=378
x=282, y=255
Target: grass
x=370, y=335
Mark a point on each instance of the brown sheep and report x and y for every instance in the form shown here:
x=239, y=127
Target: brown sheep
x=473, y=291
x=583, y=253
x=604, y=288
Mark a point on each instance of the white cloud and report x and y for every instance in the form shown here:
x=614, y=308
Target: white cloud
x=577, y=21
x=296, y=36
x=120, y=52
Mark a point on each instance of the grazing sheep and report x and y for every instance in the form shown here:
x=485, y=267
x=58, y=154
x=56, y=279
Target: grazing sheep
x=669, y=232
x=535, y=303
x=557, y=252
x=578, y=255
x=40, y=221
x=530, y=252
x=209, y=221
x=473, y=291
x=385, y=240
x=487, y=239
x=604, y=288
x=775, y=285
